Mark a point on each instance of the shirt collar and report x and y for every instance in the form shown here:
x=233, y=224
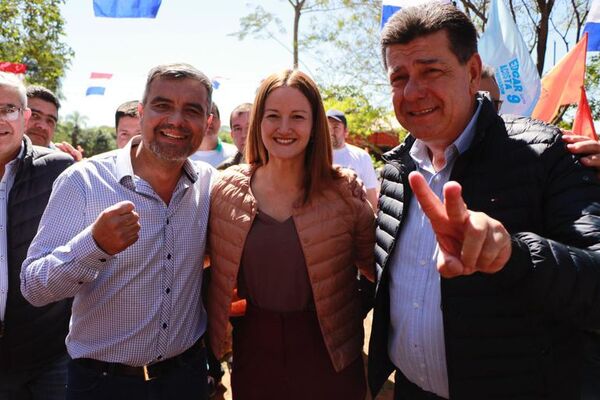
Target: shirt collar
x=419, y=152
x=124, y=167
x=21, y=152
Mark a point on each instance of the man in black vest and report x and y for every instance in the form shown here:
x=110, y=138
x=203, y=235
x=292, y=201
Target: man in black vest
x=33, y=356
x=488, y=232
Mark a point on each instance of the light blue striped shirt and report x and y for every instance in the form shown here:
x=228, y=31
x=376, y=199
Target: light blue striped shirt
x=416, y=344
x=139, y=306
x=5, y=185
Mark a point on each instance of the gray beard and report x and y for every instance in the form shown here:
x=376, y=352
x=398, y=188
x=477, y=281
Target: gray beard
x=169, y=153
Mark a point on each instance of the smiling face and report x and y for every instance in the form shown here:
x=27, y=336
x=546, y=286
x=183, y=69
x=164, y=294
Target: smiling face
x=286, y=124
x=432, y=93
x=42, y=124
x=174, y=118
x=11, y=132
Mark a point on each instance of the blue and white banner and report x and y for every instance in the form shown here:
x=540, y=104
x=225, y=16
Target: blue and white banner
x=126, y=8
x=390, y=7
x=502, y=47
x=592, y=26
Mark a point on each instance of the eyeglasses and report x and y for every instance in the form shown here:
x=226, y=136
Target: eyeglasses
x=10, y=113
x=497, y=104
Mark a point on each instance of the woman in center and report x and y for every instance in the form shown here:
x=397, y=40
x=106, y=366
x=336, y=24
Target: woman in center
x=287, y=233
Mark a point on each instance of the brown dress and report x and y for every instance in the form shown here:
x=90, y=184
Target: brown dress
x=278, y=347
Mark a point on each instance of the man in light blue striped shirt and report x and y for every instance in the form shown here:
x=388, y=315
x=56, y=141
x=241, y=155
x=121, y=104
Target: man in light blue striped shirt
x=124, y=234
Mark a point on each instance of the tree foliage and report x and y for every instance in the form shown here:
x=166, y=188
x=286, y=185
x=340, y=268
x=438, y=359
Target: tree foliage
x=592, y=86
x=31, y=33
x=94, y=140
x=97, y=140
x=261, y=23
x=536, y=20
x=363, y=117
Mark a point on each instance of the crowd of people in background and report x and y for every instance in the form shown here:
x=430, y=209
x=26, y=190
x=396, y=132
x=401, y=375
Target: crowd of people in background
x=132, y=274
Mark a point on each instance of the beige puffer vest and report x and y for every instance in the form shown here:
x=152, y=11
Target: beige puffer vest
x=336, y=232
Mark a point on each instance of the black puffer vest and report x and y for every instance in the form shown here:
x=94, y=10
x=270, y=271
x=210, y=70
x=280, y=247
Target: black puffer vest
x=514, y=334
x=32, y=336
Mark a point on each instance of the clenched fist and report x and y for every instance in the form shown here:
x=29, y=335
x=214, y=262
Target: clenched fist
x=116, y=228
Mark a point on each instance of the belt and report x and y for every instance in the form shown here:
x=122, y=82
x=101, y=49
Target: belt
x=147, y=372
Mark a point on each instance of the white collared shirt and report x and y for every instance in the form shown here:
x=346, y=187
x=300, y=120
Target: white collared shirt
x=416, y=345
x=5, y=185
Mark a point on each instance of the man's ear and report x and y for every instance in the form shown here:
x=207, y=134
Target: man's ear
x=475, y=66
x=140, y=108
x=26, y=114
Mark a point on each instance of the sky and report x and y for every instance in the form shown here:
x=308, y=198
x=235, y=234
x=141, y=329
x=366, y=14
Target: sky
x=192, y=31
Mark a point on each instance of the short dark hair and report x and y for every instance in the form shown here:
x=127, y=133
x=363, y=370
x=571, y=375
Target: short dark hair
x=179, y=71
x=42, y=93
x=127, y=109
x=242, y=108
x=413, y=22
x=215, y=110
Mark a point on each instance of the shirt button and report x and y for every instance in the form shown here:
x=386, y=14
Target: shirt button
x=422, y=379
x=167, y=221
x=167, y=290
x=422, y=365
x=164, y=325
x=103, y=260
x=159, y=358
x=422, y=262
x=416, y=305
x=168, y=256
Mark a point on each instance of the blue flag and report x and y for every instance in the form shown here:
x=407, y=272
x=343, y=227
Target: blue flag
x=95, y=90
x=502, y=47
x=126, y=8
x=592, y=26
x=389, y=7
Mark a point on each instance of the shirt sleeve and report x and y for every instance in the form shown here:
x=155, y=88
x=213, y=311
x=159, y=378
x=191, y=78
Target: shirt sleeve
x=560, y=267
x=368, y=172
x=63, y=256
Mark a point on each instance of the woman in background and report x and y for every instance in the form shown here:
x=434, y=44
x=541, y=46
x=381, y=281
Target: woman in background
x=287, y=233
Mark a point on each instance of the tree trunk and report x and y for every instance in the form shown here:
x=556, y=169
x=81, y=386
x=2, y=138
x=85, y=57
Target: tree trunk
x=297, y=12
x=75, y=136
x=545, y=9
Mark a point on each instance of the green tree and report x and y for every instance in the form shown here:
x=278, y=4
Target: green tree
x=76, y=122
x=32, y=33
x=363, y=117
x=260, y=23
x=97, y=140
x=592, y=85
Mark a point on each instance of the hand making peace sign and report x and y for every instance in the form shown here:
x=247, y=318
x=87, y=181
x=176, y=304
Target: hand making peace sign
x=469, y=241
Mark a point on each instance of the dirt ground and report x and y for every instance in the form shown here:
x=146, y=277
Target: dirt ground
x=387, y=393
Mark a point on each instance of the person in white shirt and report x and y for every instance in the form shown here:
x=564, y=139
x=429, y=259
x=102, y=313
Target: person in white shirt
x=349, y=156
x=212, y=150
